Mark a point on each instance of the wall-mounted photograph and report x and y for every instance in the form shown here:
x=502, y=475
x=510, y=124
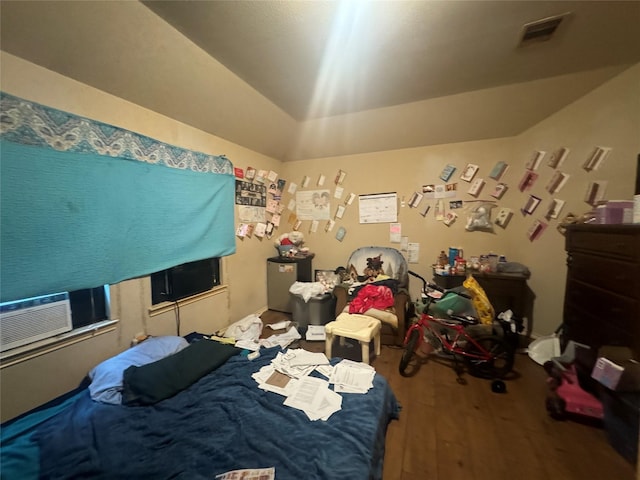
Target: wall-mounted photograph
x=595, y=192
x=536, y=229
x=476, y=187
x=469, y=172
x=498, y=170
x=555, y=207
x=594, y=161
x=557, y=158
x=504, y=217
x=499, y=190
x=527, y=181
x=535, y=160
x=557, y=181
x=446, y=173
x=531, y=205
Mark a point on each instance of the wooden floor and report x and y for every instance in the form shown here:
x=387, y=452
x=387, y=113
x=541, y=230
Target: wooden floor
x=449, y=431
x=452, y=431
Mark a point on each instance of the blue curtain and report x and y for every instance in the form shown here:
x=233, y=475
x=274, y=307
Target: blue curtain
x=84, y=204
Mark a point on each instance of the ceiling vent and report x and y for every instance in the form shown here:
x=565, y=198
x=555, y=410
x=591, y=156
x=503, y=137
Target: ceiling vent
x=540, y=30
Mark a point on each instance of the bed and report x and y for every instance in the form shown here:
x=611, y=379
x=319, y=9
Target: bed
x=220, y=423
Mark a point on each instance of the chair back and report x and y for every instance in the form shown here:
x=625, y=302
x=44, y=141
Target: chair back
x=385, y=260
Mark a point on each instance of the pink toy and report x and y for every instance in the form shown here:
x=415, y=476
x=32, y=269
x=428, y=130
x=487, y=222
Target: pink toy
x=569, y=397
x=566, y=396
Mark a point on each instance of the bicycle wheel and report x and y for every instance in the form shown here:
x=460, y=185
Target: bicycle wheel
x=501, y=362
x=409, y=353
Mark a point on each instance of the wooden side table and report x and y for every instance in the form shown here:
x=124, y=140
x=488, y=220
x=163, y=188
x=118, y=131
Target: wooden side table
x=506, y=291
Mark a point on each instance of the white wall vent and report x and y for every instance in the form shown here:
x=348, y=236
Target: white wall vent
x=541, y=30
x=32, y=319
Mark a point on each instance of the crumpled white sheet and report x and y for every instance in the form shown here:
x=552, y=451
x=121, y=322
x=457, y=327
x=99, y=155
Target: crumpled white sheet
x=281, y=339
x=248, y=329
x=307, y=289
x=247, y=333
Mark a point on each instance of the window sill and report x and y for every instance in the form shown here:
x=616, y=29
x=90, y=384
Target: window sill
x=42, y=347
x=165, y=307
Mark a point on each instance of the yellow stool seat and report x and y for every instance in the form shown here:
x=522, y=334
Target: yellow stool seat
x=357, y=327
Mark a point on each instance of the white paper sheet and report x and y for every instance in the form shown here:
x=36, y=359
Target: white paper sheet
x=281, y=339
x=279, y=325
x=352, y=377
x=316, y=333
x=312, y=396
x=303, y=357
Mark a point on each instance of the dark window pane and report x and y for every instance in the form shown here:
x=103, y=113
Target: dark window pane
x=184, y=280
x=88, y=306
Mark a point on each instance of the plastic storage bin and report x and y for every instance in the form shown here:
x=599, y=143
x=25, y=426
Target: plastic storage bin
x=319, y=310
x=621, y=415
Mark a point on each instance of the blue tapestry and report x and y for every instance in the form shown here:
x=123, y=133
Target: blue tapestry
x=85, y=204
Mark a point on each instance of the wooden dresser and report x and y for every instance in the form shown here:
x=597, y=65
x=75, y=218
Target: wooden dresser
x=602, y=298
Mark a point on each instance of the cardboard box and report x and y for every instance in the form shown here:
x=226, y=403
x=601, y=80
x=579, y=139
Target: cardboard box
x=614, y=212
x=617, y=369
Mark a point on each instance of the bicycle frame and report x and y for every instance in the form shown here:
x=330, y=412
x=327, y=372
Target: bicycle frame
x=429, y=323
x=486, y=354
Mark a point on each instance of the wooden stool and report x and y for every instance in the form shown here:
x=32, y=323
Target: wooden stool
x=357, y=327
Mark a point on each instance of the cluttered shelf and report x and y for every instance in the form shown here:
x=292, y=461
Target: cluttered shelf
x=505, y=290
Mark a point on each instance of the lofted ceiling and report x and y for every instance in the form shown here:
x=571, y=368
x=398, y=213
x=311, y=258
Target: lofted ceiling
x=309, y=79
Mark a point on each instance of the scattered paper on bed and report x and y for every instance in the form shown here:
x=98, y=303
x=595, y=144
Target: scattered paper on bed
x=249, y=474
x=352, y=377
x=279, y=325
x=278, y=379
x=325, y=370
x=330, y=403
x=282, y=363
x=288, y=375
x=304, y=357
x=313, y=397
x=268, y=380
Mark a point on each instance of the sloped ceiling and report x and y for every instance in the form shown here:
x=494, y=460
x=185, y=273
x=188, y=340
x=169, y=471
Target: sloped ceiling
x=302, y=80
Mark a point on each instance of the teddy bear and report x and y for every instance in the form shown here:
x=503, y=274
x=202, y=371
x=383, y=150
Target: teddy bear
x=294, y=239
x=370, y=273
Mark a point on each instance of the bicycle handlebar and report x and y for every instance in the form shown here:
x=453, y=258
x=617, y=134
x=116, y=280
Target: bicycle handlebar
x=433, y=286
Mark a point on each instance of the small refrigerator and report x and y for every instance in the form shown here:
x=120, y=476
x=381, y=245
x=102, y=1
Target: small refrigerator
x=282, y=272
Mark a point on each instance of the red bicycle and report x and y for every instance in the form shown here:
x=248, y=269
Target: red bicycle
x=487, y=355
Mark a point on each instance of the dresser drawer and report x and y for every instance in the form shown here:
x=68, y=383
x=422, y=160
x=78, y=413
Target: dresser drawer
x=583, y=327
x=609, y=308
x=602, y=298
x=614, y=275
x=621, y=242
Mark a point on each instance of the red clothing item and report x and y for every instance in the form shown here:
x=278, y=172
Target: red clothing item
x=372, y=296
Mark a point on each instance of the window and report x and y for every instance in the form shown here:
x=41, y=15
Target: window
x=185, y=280
x=29, y=320
x=89, y=306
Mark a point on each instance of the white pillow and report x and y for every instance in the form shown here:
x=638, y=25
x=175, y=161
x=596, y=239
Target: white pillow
x=106, y=377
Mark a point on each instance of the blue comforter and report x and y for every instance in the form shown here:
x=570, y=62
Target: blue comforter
x=223, y=422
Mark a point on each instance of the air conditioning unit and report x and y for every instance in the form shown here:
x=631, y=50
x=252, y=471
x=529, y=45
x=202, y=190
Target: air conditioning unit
x=32, y=319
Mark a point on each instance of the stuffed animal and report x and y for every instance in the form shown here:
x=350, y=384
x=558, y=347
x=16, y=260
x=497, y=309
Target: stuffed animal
x=370, y=273
x=291, y=238
x=294, y=240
